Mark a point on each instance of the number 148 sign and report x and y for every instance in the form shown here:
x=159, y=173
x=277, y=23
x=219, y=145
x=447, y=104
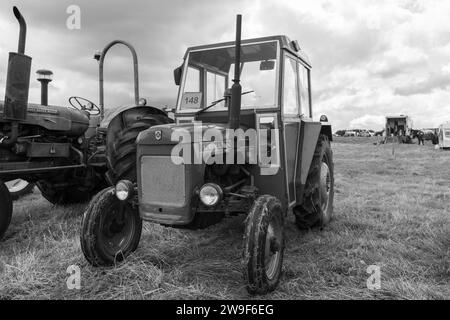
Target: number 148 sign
x=191, y=100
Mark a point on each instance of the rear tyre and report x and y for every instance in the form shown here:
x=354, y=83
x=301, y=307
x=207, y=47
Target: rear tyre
x=317, y=207
x=263, y=245
x=6, y=208
x=122, y=162
x=19, y=188
x=111, y=229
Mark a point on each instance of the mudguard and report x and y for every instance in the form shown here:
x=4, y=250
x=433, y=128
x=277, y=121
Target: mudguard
x=110, y=114
x=309, y=134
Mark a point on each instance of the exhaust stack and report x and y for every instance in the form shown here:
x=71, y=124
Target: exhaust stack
x=23, y=30
x=234, y=113
x=18, y=77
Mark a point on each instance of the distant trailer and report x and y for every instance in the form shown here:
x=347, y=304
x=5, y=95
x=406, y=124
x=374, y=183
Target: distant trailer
x=444, y=135
x=399, y=126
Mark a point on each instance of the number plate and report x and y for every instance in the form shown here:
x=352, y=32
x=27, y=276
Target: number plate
x=191, y=100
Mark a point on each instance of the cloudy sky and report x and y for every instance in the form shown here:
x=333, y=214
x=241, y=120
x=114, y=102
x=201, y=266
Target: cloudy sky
x=370, y=58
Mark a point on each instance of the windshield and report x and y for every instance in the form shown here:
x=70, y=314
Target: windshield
x=210, y=72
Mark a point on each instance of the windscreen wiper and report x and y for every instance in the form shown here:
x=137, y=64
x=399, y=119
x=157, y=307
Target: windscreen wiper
x=218, y=101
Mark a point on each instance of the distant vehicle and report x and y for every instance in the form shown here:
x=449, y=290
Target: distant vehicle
x=444, y=135
x=399, y=126
x=349, y=133
x=364, y=133
x=379, y=133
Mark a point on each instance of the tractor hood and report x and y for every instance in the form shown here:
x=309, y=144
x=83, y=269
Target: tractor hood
x=55, y=118
x=163, y=134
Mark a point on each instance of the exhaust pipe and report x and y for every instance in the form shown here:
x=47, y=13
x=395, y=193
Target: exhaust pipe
x=234, y=112
x=17, y=85
x=23, y=30
x=18, y=77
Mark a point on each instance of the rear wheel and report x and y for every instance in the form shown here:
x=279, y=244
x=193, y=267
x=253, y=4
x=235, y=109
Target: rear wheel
x=263, y=245
x=317, y=206
x=111, y=229
x=6, y=208
x=19, y=188
x=122, y=157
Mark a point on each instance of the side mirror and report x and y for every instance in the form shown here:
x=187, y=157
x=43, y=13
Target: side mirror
x=177, y=75
x=267, y=65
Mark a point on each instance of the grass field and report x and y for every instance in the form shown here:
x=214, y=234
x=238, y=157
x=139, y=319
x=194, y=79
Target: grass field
x=391, y=210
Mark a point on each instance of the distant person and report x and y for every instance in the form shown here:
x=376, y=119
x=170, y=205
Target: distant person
x=421, y=138
x=435, y=138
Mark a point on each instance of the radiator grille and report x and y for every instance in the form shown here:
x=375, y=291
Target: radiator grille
x=163, y=182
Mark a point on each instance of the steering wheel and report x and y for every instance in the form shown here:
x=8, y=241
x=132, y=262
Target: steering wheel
x=83, y=104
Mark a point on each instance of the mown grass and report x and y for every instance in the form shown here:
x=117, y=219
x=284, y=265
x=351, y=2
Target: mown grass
x=391, y=210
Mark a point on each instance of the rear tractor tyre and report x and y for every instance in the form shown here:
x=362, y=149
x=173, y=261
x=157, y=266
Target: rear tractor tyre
x=19, y=188
x=111, y=229
x=6, y=208
x=317, y=207
x=122, y=162
x=263, y=245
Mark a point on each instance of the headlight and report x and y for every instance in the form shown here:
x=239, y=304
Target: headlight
x=210, y=194
x=124, y=190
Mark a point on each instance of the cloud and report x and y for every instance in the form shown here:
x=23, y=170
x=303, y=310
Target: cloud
x=433, y=82
x=368, y=121
x=370, y=58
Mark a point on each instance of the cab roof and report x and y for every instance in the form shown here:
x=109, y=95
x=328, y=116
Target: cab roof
x=284, y=41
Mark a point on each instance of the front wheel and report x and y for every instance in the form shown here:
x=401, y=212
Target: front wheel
x=111, y=229
x=263, y=245
x=6, y=208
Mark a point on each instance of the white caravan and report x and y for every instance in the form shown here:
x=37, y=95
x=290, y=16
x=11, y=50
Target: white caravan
x=444, y=135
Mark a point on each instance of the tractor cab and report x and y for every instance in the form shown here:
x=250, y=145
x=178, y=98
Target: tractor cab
x=274, y=73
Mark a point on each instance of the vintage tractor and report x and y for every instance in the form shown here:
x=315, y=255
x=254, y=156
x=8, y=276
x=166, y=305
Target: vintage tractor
x=71, y=153
x=271, y=117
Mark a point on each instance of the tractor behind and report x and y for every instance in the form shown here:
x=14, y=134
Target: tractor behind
x=73, y=152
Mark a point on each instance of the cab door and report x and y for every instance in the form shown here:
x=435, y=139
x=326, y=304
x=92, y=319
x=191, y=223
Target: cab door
x=291, y=122
x=296, y=105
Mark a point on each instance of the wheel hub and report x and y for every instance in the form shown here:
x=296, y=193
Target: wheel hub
x=325, y=186
x=272, y=251
x=117, y=230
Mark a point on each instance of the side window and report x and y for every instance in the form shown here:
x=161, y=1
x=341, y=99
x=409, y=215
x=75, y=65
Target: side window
x=290, y=106
x=215, y=87
x=304, y=89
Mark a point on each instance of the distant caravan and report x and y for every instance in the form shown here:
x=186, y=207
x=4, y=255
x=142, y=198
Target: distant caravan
x=444, y=135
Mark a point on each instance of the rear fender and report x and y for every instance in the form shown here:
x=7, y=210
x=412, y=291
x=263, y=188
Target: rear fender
x=309, y=135
x=113, y=114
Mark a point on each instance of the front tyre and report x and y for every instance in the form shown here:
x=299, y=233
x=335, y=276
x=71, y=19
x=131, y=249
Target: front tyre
x=111, y=229
x=6, y=208
x=263, y=245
